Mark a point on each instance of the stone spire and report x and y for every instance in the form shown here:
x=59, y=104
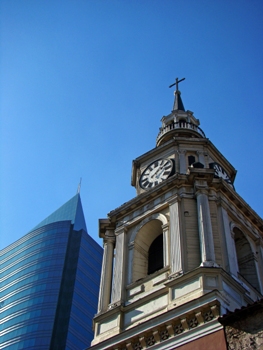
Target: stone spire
x=178, y=103
x=180, y=122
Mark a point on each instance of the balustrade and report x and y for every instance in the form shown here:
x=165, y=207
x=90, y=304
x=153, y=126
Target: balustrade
x=180, y=125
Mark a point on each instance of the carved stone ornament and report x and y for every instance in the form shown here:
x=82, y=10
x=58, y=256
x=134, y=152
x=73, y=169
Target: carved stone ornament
x=178, y=329
x=208, y=316
x=193, y=322
x=137, y=346
x=150, y=341
x=164, y=334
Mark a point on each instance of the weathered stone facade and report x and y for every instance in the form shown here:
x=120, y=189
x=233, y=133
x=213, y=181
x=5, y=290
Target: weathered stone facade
x=209, y=251
x=244, y=327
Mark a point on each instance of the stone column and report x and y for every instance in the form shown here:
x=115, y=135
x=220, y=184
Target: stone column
x=201, y=157
x=106, y=271
x=166, y=245
x=204, y=224
x=232, y=265
x=176, y=239
x=182, y=161
x=130, y=262
x=119, y=267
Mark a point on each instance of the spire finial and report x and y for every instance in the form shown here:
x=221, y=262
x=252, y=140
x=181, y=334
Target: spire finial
x=178, y=103
x=176, y=83
x=79, y=186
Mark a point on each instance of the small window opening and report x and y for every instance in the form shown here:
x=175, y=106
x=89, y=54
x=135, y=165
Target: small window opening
x=155, y=257
x=191, y=160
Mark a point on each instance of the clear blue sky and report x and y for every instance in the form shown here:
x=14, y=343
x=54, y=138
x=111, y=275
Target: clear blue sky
x=84, y=85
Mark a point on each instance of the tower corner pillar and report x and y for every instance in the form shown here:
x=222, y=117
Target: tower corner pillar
x=176, y=247
x=182, y=161
x=204, y=224
x=119, y=266
x=106, y=271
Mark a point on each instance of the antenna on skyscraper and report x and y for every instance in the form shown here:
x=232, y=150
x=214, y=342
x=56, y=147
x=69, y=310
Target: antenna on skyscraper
x=79, y=186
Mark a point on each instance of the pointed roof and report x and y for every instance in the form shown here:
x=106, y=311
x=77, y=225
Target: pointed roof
x=71, y=210
x=178, y=103
x=180, y=122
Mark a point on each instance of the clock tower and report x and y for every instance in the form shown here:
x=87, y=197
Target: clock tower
x=183, y=252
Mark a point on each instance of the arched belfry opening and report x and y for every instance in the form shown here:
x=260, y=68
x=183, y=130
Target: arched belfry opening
x=245, y=258
x=148, y=250
x=155, y=255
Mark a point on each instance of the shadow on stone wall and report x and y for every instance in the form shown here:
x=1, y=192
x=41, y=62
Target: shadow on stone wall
x=244, y=327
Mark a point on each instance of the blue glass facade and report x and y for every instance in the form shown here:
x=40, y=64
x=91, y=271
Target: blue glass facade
x=50, y=283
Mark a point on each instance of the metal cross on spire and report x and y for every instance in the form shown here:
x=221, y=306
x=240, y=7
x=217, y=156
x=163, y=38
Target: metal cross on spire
x=176, y=83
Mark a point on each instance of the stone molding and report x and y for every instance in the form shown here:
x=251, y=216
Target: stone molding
x=156, y=216
x=120, y=229
x=181, y=151
x=165, y=331
x=174, y=199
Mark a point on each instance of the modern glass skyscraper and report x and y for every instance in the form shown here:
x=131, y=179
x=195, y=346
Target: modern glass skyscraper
x=50, y=283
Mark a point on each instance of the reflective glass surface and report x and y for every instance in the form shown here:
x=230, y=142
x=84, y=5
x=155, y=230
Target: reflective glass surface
x=31, y=272
x=85, y=296
x=49, y=284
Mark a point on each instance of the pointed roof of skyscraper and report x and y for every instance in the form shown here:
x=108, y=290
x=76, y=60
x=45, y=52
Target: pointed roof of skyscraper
x=71, y=210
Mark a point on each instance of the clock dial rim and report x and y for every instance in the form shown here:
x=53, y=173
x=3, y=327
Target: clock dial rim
x=154, y=175
x=224, y=173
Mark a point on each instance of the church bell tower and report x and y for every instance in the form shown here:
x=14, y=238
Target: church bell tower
x=185, y=250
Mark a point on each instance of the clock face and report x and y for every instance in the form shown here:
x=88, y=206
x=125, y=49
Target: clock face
x=220, y=172
x=155, y=173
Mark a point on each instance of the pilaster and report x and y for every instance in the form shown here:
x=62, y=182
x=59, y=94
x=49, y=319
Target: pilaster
x=106, y=271
x=201, y=157
x=119, y=266
x=182, y=161
x=176, y=239
x=231, y=258
x=166, y=244
x=204, y=224
x=130, y=262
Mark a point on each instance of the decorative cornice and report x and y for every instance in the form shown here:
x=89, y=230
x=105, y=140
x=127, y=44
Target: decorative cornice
x=175, y=275
x=108, y=240
x=115, y=305
x=209, y=264
x=178, y=181
x=174, y=199
x=181, y=151
x=105, y=226
x=121, y=229
x=205, y=174
x=238, y=202
x=202, y=317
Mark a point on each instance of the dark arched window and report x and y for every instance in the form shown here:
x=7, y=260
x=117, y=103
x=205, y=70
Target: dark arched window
x=155, y=257
x=245, y=259
x=191, y=160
